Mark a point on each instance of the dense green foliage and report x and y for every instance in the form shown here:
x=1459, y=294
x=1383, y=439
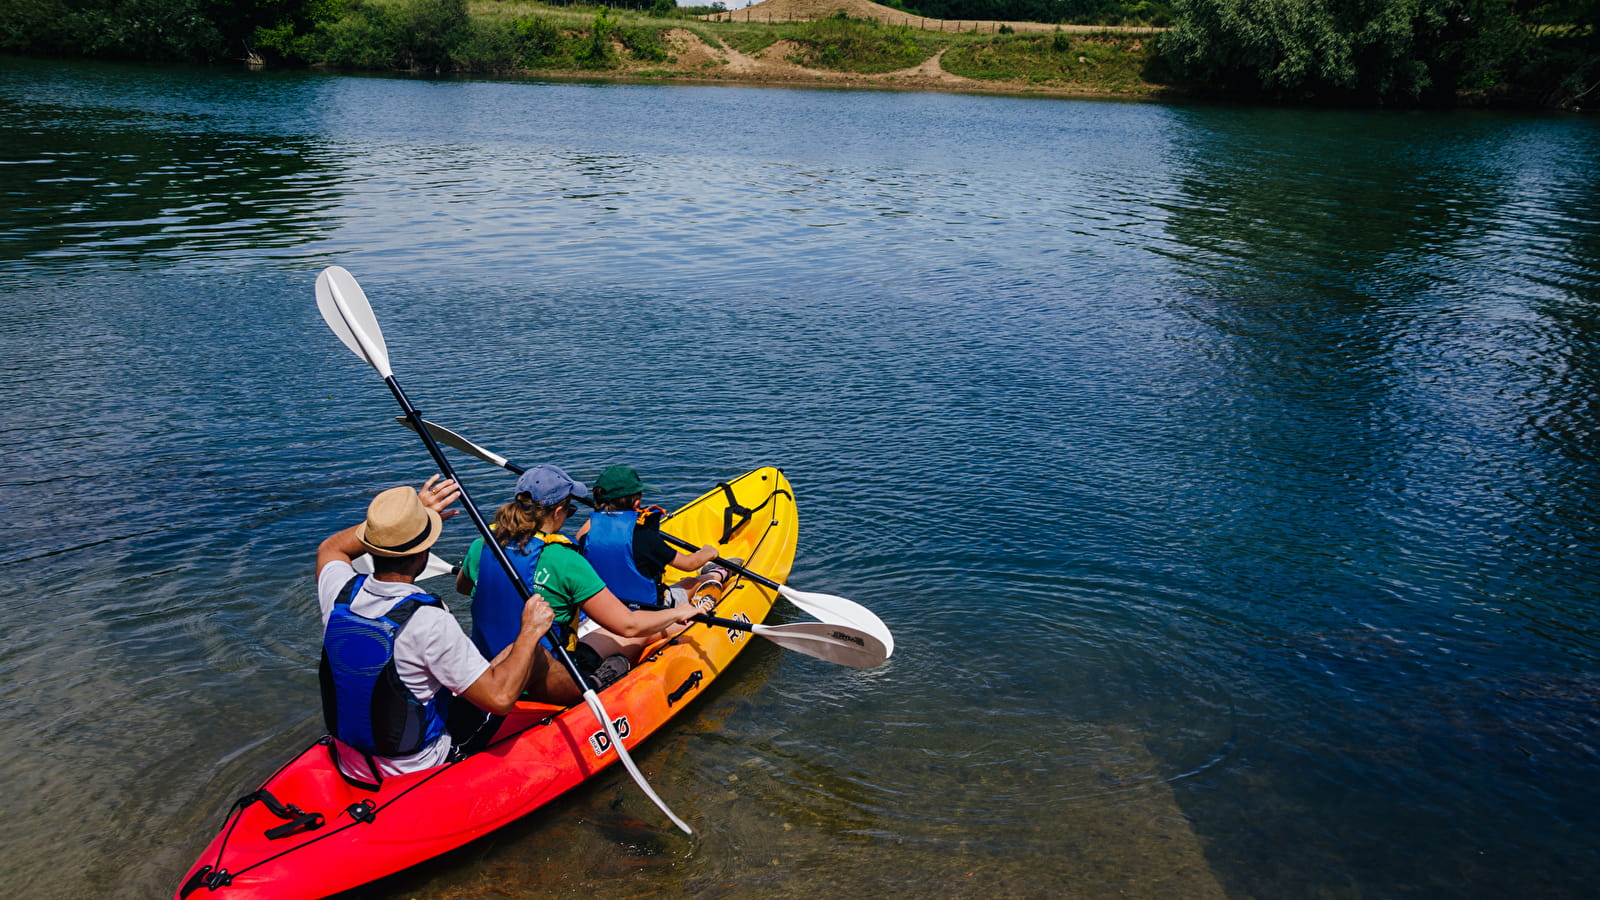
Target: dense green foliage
x=1373, y=51
x=150, y=29
x=439, y=35
x=1083, y=12
x=1332, y=51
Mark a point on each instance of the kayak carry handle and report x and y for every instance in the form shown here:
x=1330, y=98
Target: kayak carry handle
x=297, y=820
x=302, y=822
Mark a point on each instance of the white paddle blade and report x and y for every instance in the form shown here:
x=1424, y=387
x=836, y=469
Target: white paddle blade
x=450, y=439
x=825, y=640
x=435, y=567
x=831, y=608
x=600, y=713
x=345, y=308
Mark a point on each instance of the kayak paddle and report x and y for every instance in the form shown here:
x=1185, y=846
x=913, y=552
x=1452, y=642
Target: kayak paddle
x=345, y=308
x=826, y=607
x=433, y=569
x=825, y=640
x=829, y=608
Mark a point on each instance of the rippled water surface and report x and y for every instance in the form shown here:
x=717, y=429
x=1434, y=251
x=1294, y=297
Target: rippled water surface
x=1229, y=477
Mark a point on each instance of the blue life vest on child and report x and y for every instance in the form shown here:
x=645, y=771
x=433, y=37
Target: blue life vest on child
x=364, y=702
x=609, y=548
x=496, y=605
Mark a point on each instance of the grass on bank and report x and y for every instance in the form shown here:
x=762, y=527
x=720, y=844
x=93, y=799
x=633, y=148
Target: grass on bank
x=842, y=44
x=1113, y=62
x=518, y=36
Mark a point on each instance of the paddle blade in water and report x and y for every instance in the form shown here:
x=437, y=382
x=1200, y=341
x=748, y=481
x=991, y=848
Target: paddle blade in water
x=825, y=640
x=831, y=608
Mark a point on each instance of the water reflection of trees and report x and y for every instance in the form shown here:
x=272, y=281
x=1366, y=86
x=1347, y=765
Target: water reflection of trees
x=103, y=185
x=1316, y=253
x=1393, y=318
x=1402, y=304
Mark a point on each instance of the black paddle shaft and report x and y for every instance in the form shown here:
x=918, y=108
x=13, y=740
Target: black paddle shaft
x=725, y=563
x=489, y=542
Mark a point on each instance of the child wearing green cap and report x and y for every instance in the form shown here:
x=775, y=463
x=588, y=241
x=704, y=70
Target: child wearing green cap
x=623, y=541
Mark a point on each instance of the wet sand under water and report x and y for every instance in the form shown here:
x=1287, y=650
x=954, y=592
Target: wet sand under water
x=758, y=826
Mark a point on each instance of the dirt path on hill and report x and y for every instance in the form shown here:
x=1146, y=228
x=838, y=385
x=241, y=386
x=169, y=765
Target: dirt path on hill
x=694, y=60
x=811, y=10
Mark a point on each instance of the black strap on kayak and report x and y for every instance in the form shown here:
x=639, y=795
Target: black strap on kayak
x=295, y=819
x=732, y=511
x=213, y=877
x=735, y=517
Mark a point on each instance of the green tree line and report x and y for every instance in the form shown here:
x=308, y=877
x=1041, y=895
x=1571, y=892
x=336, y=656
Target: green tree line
x=1354, y=52
x=1076, y=12
x=1388, y=51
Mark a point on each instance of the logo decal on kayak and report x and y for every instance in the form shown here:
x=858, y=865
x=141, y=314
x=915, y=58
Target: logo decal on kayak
x=600, y=742
x=735, y=635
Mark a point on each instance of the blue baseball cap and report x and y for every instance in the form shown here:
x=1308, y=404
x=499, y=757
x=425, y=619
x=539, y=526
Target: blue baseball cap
x=549, y=485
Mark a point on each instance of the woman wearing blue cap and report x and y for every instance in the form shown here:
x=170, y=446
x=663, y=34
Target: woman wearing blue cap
x=528, y=528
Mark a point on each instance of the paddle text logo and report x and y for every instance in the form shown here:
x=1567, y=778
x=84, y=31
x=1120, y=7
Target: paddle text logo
x=600, y=742
x=735, y=635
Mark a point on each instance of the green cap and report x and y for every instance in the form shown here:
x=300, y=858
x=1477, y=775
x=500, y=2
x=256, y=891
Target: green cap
x=619, y=481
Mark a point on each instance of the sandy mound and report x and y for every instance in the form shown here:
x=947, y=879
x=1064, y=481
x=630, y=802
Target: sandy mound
x=691, y=52
x=808, y=10
x=811, y=10
x=693, y=59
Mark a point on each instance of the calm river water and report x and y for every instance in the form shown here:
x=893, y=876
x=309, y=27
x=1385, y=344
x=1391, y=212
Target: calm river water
x=1229, y=477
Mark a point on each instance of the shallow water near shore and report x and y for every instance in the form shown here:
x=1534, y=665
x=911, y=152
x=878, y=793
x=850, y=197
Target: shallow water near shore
x=1227, y=476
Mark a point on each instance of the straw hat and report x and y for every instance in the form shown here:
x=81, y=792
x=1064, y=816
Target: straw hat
x=398, y=524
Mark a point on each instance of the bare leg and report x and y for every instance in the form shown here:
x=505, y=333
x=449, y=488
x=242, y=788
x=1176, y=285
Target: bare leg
x=607, y=644
x=550, y=682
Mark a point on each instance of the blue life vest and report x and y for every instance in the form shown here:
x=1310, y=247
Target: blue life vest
x=609, y=548
x=496, y=605
x=364, y=702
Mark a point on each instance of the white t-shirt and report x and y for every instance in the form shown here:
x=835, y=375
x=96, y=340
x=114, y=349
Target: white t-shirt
x=431, y=652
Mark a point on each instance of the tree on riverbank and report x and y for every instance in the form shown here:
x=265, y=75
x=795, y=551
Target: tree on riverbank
x=179, y=30
x=1387, y=51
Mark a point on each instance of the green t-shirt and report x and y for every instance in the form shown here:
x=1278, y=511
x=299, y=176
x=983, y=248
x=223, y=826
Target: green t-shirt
x=563, y=577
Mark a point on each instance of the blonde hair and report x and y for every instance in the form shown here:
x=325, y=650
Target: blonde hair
x=519, y=520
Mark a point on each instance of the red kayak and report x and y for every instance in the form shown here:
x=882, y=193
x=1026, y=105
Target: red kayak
x=308, y=832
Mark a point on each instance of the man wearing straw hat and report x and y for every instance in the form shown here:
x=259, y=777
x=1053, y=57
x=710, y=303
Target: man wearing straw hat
x=393, y=656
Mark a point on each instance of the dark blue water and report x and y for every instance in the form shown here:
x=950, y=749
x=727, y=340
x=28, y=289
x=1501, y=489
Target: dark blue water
x=1229, y=477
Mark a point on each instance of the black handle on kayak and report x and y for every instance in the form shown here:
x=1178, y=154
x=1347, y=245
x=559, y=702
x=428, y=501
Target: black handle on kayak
x=302, y=822
x=735, y=624
x=272, y=803
x=296, y=820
